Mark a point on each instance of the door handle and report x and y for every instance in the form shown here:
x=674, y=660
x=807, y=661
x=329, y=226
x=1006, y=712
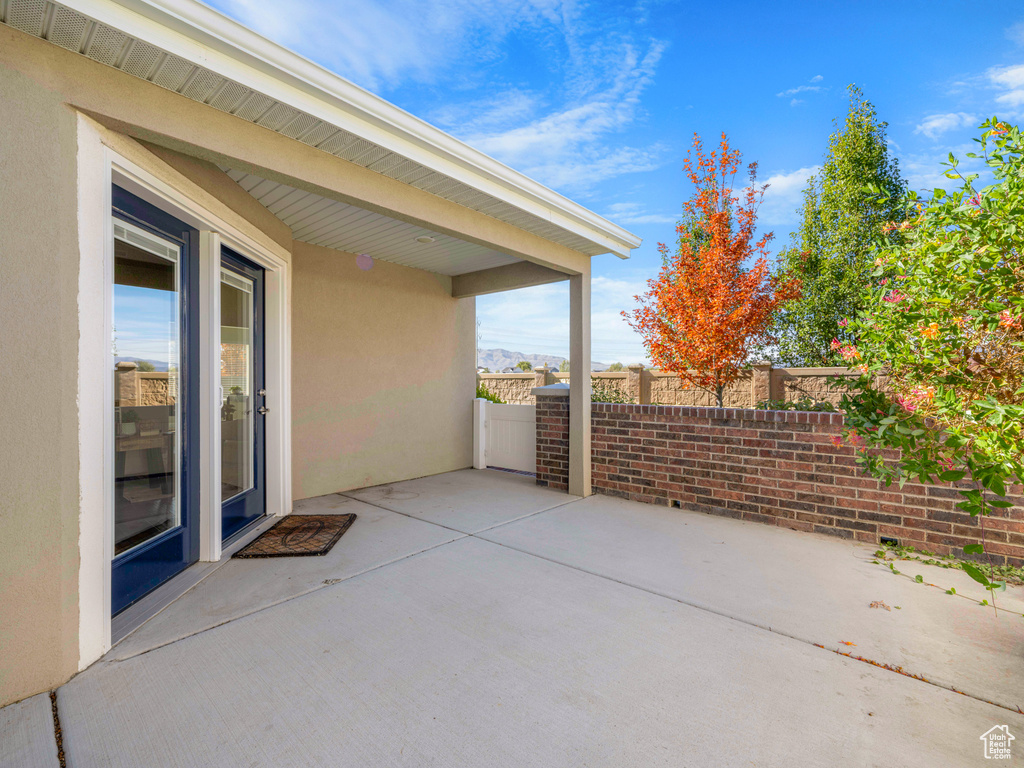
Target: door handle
x=262, y=410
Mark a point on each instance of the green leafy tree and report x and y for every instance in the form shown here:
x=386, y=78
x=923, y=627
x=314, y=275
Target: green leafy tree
x=524, y=366
x=563, y=367
x=615, y=367
x=840, y=219
x=692, y=229
x=944, y=326
x=144, y=366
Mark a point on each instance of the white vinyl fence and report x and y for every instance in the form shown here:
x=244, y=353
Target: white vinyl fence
x=504, y=436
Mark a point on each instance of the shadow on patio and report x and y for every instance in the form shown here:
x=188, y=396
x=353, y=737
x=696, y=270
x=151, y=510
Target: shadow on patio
x=474, y=619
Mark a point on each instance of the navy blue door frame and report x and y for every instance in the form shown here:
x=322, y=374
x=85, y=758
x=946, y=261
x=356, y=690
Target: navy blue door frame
x=246, y=508
x=138, y=571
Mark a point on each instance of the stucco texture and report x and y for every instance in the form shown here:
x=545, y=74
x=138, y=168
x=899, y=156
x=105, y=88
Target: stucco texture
x=382, y=373
x=38, y=380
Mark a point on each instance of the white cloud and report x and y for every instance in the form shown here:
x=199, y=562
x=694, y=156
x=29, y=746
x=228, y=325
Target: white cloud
x=1010, y=80
x=383, y=42
x=496, y=111
x=1016, y=33
x=935, y=125
x=635, y=213
x=570, y=146
x=536, y=320
x=803, y=89
x=648, y=218
x=560, y=128
x=925, y=171
x=783, y=197
x=799, y=89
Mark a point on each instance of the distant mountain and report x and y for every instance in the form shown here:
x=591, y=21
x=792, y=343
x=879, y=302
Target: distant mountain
x=498, y=359
x=157, y=364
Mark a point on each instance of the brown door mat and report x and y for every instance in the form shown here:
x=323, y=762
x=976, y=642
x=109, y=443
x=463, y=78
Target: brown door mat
x=298, y=535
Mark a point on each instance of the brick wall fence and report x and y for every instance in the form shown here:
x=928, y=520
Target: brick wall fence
x=645, y=385
x=776, y=467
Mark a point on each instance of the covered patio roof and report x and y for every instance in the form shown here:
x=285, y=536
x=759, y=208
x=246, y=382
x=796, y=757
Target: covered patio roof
x=195, y=51
x=333, y=224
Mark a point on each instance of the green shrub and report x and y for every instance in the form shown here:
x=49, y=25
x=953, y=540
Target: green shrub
x=486, y=394
x=603, y=393
x=803, y=404
x=944, y=324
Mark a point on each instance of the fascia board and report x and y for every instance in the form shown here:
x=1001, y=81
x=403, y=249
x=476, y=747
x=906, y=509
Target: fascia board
x=206, y=37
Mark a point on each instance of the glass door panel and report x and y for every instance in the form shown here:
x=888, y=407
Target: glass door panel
x=237, y=381
x=243, y=402
x=153, y=345
x=147, y=332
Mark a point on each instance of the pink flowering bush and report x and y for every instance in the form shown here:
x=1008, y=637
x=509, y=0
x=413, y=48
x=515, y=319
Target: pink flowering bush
x=941, y=343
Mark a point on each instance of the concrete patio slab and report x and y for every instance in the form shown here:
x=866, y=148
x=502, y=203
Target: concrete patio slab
x=472, y=654
x=240, y=587
x=810, y=586
x=26, y=734
x=470, y=500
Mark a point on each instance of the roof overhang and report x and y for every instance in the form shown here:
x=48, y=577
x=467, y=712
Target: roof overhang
x=198, y=52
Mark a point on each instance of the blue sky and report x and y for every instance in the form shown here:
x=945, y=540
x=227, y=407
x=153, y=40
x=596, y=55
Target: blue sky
x=146, y=324
x=600, y=102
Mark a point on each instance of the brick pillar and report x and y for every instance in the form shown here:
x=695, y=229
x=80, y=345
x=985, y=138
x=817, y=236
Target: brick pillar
x=760, y=383
x=638, y=383
x=553, y=436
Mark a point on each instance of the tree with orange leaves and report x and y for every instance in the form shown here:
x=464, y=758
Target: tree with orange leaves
x=707, y=309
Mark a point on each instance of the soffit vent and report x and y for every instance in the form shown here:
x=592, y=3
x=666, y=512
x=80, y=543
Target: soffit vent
x=76, y=32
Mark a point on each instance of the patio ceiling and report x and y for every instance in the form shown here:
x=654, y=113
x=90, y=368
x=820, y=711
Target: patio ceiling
x=195, y=51
x=321, y=221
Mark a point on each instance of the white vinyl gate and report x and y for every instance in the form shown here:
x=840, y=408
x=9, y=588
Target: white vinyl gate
x=504, y=436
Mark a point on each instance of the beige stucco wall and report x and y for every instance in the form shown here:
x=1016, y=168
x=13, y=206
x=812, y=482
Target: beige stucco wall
x=38, y=355
x=49, y=316
x=382, y=373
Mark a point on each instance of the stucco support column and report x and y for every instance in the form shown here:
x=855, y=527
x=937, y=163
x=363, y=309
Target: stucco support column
x=579, y=384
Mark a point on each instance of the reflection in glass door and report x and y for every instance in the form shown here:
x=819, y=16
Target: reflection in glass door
x=237, y=381
x=243, y=399
x=147, y=329
x=153, y=534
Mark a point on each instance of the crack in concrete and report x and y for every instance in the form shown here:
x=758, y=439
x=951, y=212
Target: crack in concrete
x=317, y=588
x=334, y=582
x=58, y=734
x=449, y=528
